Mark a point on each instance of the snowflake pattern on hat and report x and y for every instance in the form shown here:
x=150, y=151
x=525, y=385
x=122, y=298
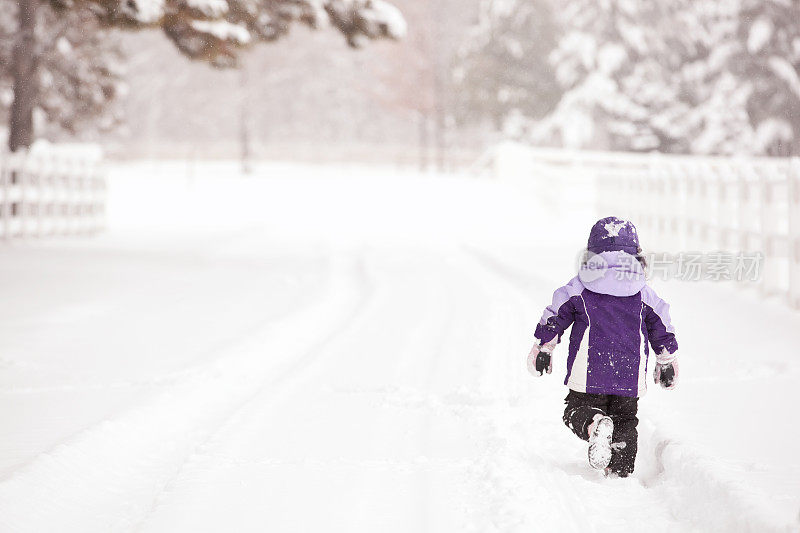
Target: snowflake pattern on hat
x=612, y=234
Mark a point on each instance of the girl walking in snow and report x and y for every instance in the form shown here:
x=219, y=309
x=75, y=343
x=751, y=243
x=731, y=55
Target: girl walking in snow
x=614, y=317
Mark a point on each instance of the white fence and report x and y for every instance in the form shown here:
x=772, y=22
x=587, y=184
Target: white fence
x=683, y=203
x=51, y=190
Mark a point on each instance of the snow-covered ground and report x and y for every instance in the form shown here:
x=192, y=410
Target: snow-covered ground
x=342, y=349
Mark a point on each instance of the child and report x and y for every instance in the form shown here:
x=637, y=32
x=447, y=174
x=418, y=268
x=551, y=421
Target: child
x=613, y=314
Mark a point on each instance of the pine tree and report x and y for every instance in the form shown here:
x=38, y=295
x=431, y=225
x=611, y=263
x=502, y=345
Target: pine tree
x=602, y=43
x=769, y=57
x=208, y=30
x=79, y=71
x=678, y=81
x=214, y=30
x=697, y=76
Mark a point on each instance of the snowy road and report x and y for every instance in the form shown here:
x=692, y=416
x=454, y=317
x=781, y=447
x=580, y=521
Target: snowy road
x=390, y=425
x=359, y=385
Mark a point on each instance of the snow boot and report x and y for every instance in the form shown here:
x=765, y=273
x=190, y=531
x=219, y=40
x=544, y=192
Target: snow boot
x=600, y=443
x=613, y=474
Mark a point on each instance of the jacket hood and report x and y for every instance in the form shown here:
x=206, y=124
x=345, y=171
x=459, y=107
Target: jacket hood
x=615, y=273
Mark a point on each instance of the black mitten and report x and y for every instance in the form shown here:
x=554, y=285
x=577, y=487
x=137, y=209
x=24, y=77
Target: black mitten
x=543, y=363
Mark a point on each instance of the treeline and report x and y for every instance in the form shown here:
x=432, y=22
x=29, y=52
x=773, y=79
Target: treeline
x=686, y=76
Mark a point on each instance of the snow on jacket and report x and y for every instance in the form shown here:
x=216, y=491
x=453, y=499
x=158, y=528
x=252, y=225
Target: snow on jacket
x=614, y=316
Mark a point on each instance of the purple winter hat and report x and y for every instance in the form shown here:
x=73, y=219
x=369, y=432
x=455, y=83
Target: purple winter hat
x=611, y=234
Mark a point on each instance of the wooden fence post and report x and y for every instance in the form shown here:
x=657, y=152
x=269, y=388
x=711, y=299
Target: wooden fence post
x=724, y=215
x=5, y=205
x=673, y=210
x=653, y=193
x=41, y=196
x=794, y=233
x=770, y=271
x=694, y=206
x=98, y=197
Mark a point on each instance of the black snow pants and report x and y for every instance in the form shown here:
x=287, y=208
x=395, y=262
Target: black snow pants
x=581, y=409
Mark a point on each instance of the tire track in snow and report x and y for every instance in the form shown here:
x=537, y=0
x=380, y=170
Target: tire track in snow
x=108, y=476
x=415, y=355
x=278, y=383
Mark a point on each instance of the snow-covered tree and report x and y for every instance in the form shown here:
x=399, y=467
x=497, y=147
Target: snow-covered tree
x=676, y=91
x=208, y=30
x=503, y=69
x=213, y=30
x=700, y=76
x=769, y=57
x=603, y=42
x=79, y=71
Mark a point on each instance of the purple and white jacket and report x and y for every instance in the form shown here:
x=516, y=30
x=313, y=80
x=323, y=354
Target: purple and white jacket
x=614, y=317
